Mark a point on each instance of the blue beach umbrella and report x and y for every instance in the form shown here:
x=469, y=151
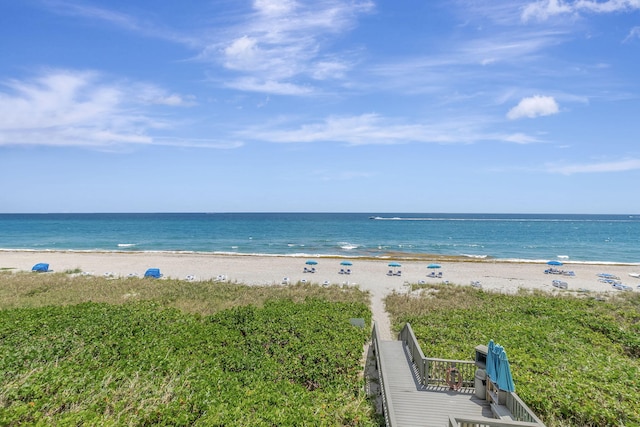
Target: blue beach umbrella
x=395, y=264
x=153, y=272
x=433, y=266
x=311, y=262
x=497, y=350
x=505, y=380
x=491, y=366
x=554, y=262
x=346, y=263
x=41, y=267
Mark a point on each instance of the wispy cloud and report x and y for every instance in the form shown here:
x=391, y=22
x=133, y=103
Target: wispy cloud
x=71, y=8
x=281, y=43
x=120, y=20
x=545, y=9
x=374, y=129
x=602, y=167
x=634, y=33
x=458, y=68
x=534, y=106
x=79, y=108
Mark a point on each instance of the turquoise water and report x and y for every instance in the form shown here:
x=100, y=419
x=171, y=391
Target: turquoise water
x=588, y=238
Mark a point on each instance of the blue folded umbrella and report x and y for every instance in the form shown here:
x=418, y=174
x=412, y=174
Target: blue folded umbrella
x=497, y=350
x=41, y=267
x=505, y=380
x=153, y=272
x=491, y=366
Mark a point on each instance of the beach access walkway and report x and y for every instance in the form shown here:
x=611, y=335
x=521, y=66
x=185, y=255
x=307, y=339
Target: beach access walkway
x=416, y=391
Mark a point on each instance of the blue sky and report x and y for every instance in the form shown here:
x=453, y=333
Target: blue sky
x=517, y=106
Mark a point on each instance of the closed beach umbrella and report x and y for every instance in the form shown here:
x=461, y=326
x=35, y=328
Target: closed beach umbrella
x=346, y=263
x=491, y=366
x=497, y=350
x=554, y=262
x=505, y=380
x=433, y=266
x=395, y=264
x=311, y=262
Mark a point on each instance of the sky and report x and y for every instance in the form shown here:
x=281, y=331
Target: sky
x=477, y=106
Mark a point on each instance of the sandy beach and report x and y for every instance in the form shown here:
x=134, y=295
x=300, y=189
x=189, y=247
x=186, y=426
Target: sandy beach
x=368, y=274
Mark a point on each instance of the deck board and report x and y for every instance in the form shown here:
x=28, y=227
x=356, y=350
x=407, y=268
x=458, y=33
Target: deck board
x=418, y=406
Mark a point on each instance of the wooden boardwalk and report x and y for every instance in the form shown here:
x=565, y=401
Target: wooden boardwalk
x=415, y=405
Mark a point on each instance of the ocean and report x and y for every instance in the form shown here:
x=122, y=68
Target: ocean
x=578, y=238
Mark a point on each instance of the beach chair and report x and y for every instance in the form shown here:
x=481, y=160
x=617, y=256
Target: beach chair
x=341, y=271
x=398, y=273
x=560, y=284
x=439, y=273
x=390, y=273
x=347, y=271
x=313, y=269
x=306, y=270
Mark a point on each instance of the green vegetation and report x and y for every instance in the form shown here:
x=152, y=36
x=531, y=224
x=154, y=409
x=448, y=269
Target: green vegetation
x=162, y=352
x=575, y=360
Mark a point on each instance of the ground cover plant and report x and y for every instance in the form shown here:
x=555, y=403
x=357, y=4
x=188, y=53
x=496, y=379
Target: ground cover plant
x=203, y=297
x=575, y=360
x=289, y=358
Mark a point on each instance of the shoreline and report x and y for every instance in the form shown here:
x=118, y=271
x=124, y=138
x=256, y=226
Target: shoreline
x=390, y=256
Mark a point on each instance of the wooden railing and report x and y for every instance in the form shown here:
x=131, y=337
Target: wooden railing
x=389, y=413
x=519, y=410
x=486, y=422
x=432, y=371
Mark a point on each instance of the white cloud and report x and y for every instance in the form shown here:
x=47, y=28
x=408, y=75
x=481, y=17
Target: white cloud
x=274, y=7
x=519, y=138
x=286, y=40
x=242, y=53
x=633, y=34
x=544, y=9
x=364, y=129
x=324, y=70
x=250, y=84
x=534, y=106
x=608, y=6
x=153, y=95
x=603, y=167
x=117, y=19
x=78, y=108
x=374, y=129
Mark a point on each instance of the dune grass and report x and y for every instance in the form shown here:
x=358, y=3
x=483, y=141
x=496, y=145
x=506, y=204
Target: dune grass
x=574, y=359
x=202, y=297
x=81, y=350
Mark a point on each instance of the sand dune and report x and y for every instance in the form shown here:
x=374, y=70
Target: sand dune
x=368, y=274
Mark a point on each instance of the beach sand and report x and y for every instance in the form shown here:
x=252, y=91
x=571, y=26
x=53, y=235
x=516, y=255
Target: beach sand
x=368, y=274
